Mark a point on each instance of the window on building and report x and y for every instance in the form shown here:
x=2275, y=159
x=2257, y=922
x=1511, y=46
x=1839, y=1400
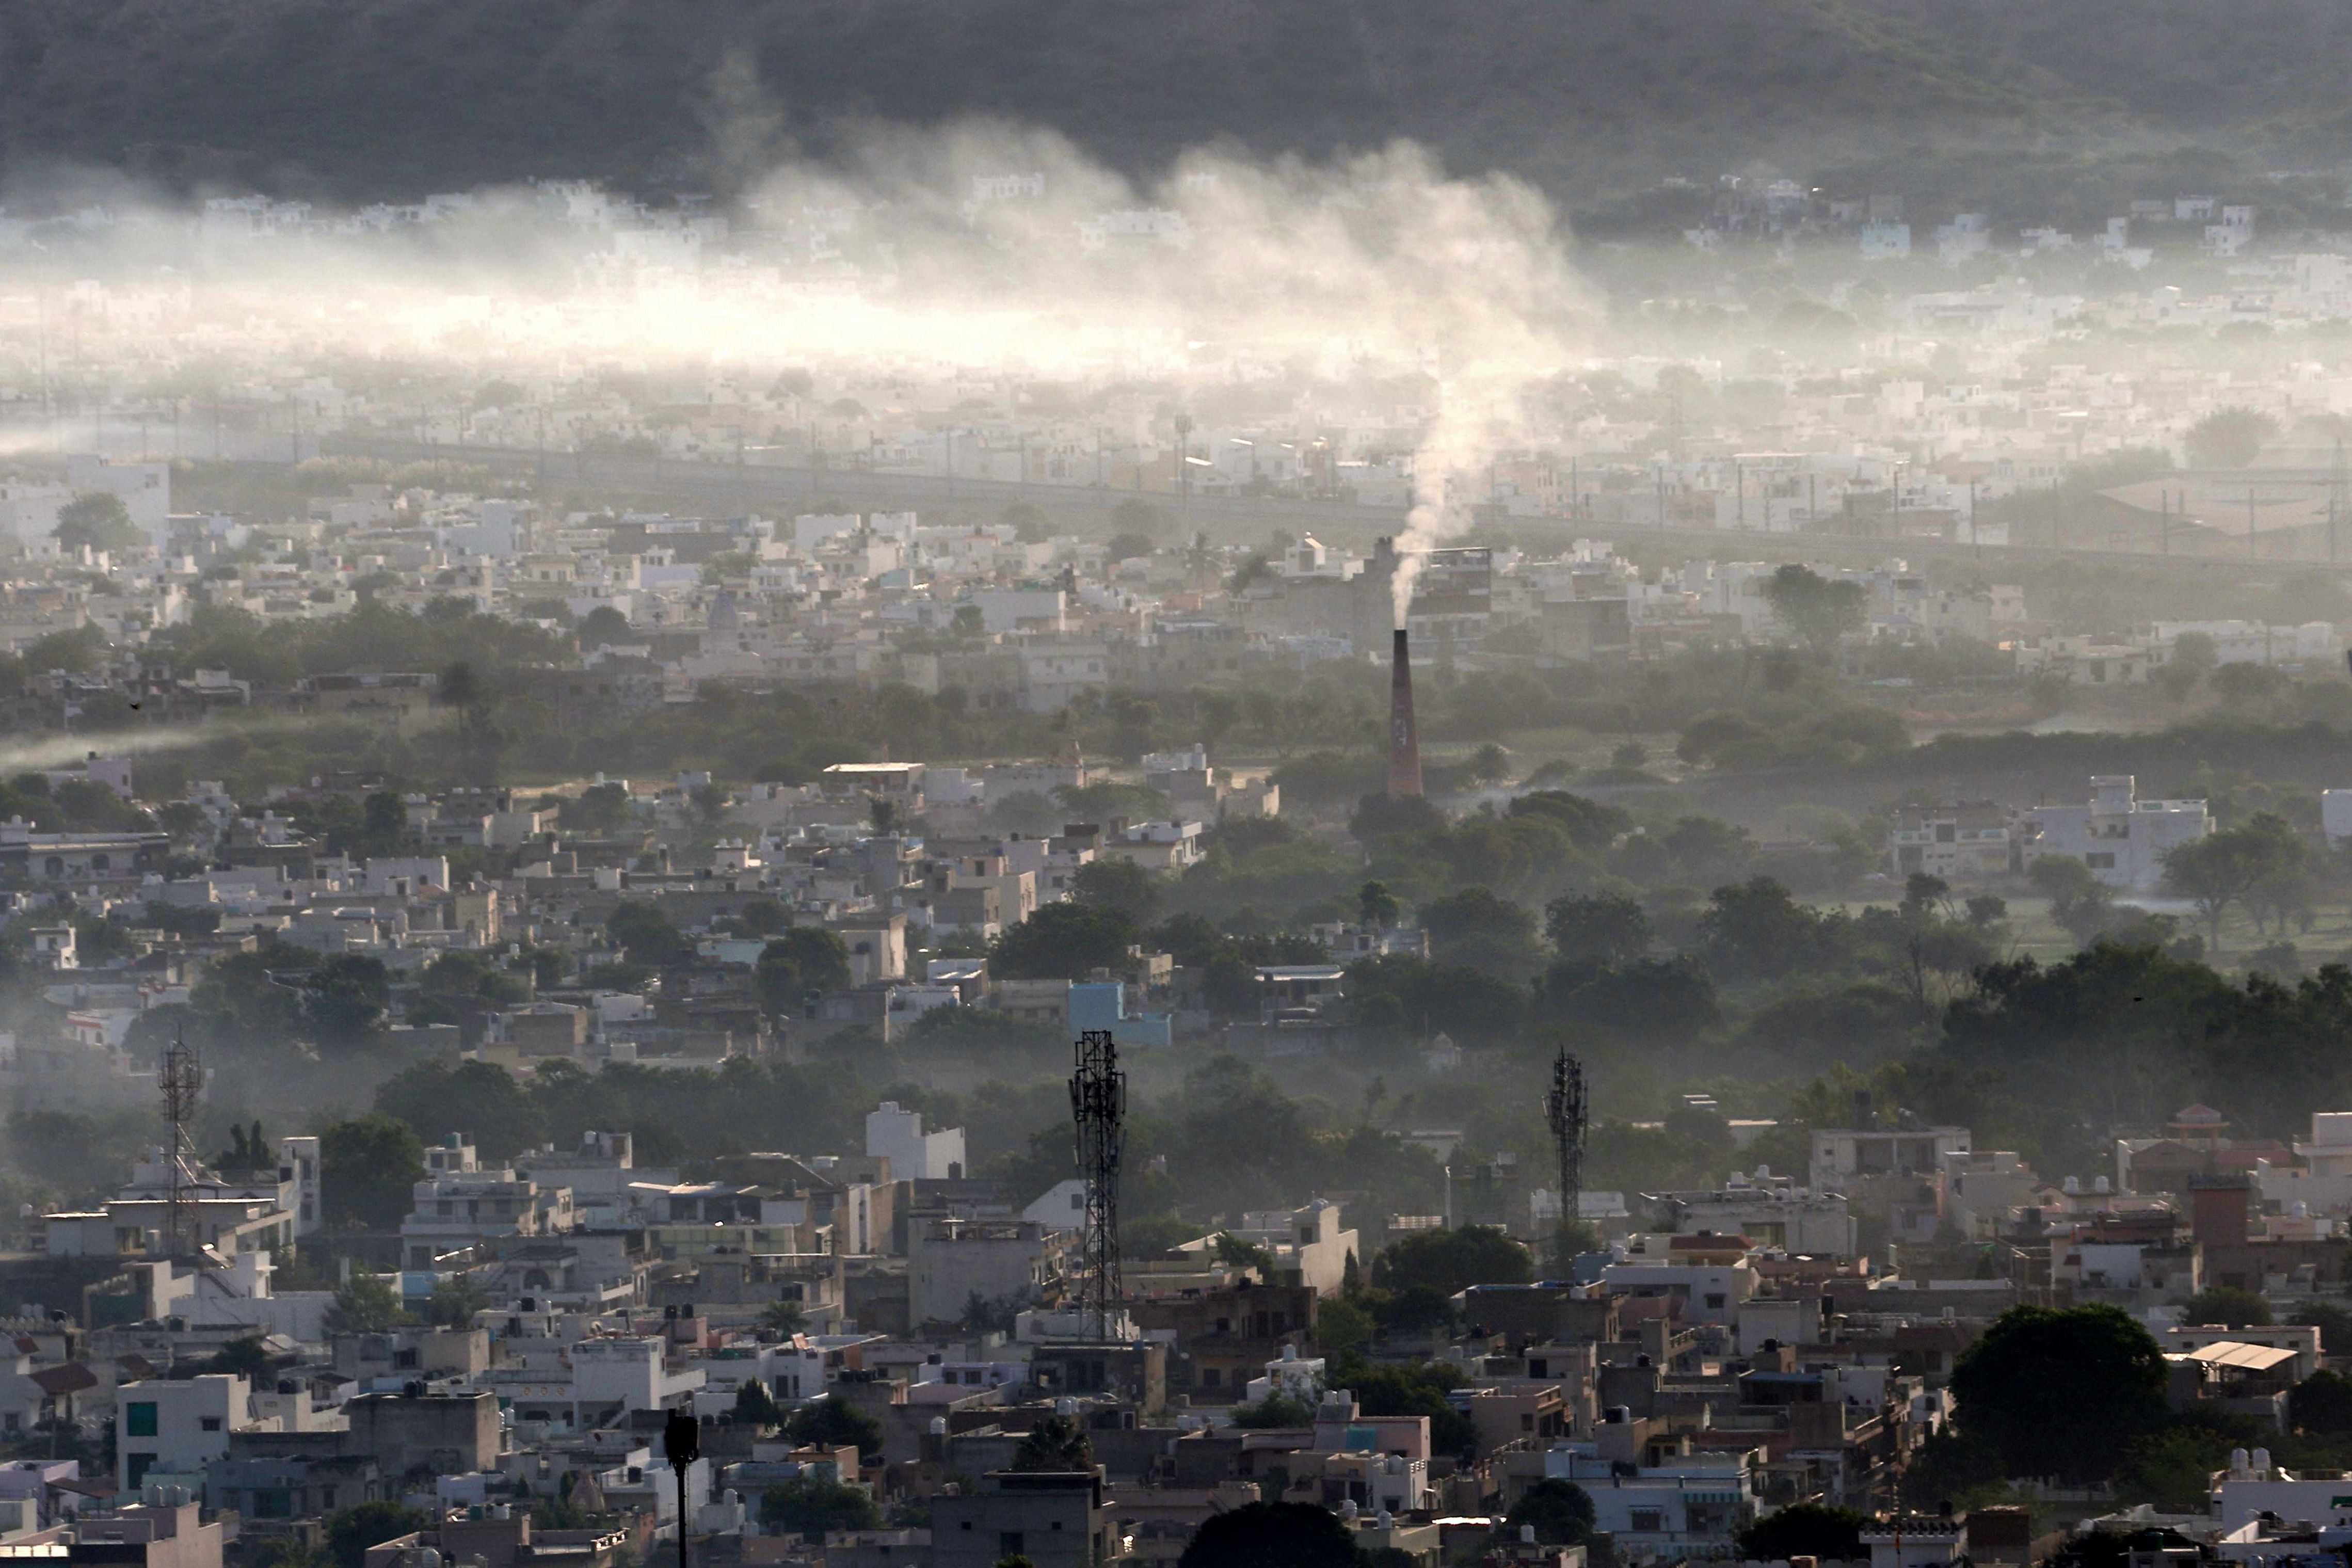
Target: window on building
x=2100, y=860
x=209, y=1422
x=1648, y=1521
x=1009, y=1543
x=136, y=1465
x=138, y=1420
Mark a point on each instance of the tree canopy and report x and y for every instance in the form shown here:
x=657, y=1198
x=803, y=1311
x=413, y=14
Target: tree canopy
x=2060, y=1393
x=1271, y=1535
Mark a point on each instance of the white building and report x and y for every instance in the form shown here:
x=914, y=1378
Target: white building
x=144, y=489
x=1959, y=843
x=2336, y=816
x=914, y=1154
x=1771, y=1210
x=2121, y=838
x=1685, y=1508
x=2322, y=1183
x=176, y=1426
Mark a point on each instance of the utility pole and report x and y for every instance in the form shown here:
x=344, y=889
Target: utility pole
x=682, y=1442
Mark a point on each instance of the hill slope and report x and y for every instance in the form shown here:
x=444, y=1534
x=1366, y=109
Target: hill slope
x=391, y=97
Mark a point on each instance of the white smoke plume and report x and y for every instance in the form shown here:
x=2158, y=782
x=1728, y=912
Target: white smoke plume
x=1277, y=273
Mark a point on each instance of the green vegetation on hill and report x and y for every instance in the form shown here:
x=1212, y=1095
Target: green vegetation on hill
x=391, y=97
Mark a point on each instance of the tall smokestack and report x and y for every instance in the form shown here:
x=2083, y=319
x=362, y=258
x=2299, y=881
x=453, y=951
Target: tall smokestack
x=1405, y=739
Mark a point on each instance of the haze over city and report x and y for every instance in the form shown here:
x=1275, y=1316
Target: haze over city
x=875, y=786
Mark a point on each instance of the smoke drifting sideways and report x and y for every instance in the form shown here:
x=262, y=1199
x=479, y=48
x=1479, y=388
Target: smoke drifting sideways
x=1281, y=271
x=62, y=751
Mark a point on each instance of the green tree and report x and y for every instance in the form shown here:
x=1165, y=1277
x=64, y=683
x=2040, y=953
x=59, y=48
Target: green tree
x=1816, y=610
x=1121, y=886
x=344, y=1001
x=99, y=520
x=832, y=1422
x=364, y=1305
x=368, y=1169
x=2229, y=437
x=1271, y=1535
x=1277, y=1409
x=1477, y=928
x=2334, y=1323
x=1756, y=931
x=1375, y=906
x=1561, y=1512
x=1341, y=1327
x=2061, y=1394
x=2234, y=866
x=755, y=1407
x=784, y=1319
x=1055, y=1443
x=351, y=1531
x=2079, y=901
x=455, y=1301
x=800, y=964
x=1449, y=1261
x=1236, y=1252
x=646, y=934
x=1063, y=941
x=1950, y=1468
x=1602, y=928
x=2322, y=1402
x=809, y=1507
x=2227, y=1305
x=602, y=810
x=1803, y=1529
x=604, y=626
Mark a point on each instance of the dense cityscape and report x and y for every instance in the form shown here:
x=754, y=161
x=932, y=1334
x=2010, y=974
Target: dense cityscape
x=948, y=857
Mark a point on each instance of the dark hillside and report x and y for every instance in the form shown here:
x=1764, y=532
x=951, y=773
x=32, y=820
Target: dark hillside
x=389, y=97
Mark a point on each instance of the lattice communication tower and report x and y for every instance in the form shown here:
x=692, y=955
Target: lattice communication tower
x=1566, y=1109
x=1098, y=1111
x=181, y=1080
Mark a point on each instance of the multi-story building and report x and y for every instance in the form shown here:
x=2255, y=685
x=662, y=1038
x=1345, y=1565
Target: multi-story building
x=1959, y=843
x=460, y=1204
x=2121, y=840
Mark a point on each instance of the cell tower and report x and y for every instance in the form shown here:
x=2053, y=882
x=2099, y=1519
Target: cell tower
x=1566, y=1109
x=1098, y=1109
x=183, y=1080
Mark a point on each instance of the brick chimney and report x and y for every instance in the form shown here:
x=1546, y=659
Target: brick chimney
x=1404, y=739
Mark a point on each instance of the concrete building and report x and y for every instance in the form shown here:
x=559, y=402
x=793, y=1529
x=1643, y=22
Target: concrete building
x=437, y=1434
x=460, y=1204
x=1771, y=1210
x=176, y=1427
x=951, y=1261
x=1053, y=1520
x=2121, y=840
x=1961, y=843
x=914, y=1154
